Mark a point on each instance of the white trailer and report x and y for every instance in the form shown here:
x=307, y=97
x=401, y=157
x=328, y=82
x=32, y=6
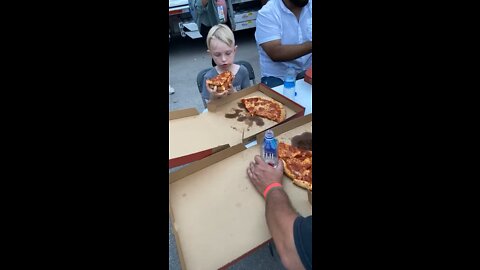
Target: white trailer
x=181, y=19
x=243, y=13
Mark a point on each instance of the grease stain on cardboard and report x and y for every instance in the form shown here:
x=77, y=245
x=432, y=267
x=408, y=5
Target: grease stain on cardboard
x=243, y=116
x=303, y=141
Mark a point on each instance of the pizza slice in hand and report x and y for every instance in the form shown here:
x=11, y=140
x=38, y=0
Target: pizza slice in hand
x=221, y=83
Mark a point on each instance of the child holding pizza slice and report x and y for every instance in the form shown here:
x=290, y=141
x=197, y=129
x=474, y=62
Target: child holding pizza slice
x=221, y=47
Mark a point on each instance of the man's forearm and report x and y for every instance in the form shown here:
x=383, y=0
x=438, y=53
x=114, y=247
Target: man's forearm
x=280, y=217
x=283, y=53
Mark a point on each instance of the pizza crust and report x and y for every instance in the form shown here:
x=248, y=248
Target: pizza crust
x=298, y=182
x=283, y=113
x=287, y=171
x=303, y=184
x=221, y=83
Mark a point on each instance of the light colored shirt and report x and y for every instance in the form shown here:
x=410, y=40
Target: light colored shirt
x=275, y=21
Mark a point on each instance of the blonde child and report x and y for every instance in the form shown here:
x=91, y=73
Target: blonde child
x=221, y=47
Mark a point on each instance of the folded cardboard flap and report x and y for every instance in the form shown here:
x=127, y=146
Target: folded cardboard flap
x=182, y=113
x=175, y=162
x=309, y=194
x=202, y=163
x=283, y=127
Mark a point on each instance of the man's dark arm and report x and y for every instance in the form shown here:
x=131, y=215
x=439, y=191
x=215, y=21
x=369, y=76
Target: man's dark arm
x=280, y=217
x=279, y=212
x=281, y=53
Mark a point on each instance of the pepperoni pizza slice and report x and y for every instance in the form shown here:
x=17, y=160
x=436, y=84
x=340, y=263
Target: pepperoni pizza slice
x=222, y=82
x=265, y=107
x=297, y=164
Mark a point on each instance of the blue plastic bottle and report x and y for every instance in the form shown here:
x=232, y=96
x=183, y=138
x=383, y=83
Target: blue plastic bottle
x=289, y=83
x=270, y=149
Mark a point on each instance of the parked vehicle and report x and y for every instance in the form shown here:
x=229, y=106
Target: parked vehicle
x=241, y=13
x=181, y=19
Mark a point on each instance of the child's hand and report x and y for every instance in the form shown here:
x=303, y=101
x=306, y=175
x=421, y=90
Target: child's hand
x=214, y=94
x=226, y=89
x=231, y=90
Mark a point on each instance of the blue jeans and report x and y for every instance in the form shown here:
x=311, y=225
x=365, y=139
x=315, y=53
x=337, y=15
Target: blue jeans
x=271, y=81
x=273, y=251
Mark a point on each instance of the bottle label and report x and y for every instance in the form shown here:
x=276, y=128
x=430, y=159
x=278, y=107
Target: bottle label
x=289, y=84
x=270, y=154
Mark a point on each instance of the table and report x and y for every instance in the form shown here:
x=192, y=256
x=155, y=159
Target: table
x=304, y=94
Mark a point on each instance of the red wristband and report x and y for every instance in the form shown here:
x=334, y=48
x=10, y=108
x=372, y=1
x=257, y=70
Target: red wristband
x=267, y=189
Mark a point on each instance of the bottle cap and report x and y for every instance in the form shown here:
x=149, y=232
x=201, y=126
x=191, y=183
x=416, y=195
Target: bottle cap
x=269, y=134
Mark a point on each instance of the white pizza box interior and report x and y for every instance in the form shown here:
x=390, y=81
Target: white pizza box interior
x=194, y=135
x=217, y=215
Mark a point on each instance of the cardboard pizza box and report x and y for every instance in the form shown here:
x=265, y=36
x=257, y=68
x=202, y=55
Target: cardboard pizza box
x=217, y=215
x=308, y=75
x=205, y=147
x=194, y=135
x=297, y=132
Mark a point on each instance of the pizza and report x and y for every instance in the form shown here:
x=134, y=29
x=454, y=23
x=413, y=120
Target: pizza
x=297, y=164
x=264, y=107
x=221, y=83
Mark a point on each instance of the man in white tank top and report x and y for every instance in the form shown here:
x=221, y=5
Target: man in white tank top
x=284, y=37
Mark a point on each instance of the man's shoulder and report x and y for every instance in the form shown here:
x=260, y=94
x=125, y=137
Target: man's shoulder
x=309, y=5
x=269, y=7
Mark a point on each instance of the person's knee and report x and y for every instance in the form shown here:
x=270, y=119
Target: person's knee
x=301, y=75
x=271, y=81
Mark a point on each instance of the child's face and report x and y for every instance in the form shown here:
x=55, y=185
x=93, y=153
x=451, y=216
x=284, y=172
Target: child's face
x=221, y=53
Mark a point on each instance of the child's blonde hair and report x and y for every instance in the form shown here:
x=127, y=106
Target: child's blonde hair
x=221, y=32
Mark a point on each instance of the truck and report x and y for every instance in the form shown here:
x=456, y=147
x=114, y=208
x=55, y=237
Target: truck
x=241, y=13
x=181, y=19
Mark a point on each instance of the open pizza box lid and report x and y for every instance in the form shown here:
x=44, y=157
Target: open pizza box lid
x=194, y=135
x=217, y=215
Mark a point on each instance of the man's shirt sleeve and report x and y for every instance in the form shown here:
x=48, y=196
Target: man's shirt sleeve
x=268, y=28
x=302, y=234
